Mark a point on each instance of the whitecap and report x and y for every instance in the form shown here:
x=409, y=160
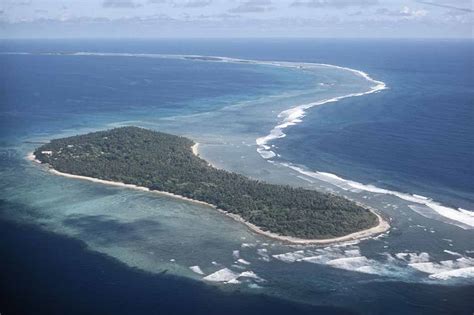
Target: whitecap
x=290, y=257
x=222, y=275
x=252, y=275
x=452, y=253
x=368, y=269
x=352, y=252
x=243, y=261
x=197, y=270
x=319, y=259
x=428, y=267
x=263, y=253
x=233, y=281
x=349, y=263
x=457, y=273
x=462, y=267
x=414, y=257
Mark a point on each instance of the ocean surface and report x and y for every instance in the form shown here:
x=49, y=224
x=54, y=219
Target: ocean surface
x=388, y=123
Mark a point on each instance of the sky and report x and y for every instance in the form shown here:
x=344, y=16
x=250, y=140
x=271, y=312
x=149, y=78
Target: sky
x=236, y=18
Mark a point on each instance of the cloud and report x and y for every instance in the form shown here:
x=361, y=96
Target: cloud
x=120, y=4
x=218, y=17
x=446, y=5
x=357, y=13
x=333, y=3
x=193, y=4
x=254, y=6
x=405, y=12
x=238, y=18
x=15, y=3
x=24, y=2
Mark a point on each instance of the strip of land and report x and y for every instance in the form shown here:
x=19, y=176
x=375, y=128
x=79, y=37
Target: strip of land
x=107, y=155
x=381, y=227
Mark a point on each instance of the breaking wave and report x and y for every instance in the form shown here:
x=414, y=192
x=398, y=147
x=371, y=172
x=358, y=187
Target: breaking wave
x=398, y=265
x=422, y=205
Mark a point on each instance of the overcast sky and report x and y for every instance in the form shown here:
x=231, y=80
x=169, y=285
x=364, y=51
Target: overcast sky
x=236, y=18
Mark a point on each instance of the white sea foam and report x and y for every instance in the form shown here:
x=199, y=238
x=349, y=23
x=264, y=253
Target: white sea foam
x=428, y=267
x=347, y=243
x=368, y=269
x=243, y=261
x=398, y=265
x=266, y=154
x=457, y=273
x=294, y=115
x=254, y=286
x=263, y=253
x=452, y=253
x=246, y=245
x=318, y=259
x=395, y=265
x=462, y=218
x=252, y=275
x=404, y=264
x=414, y=257
x=341, y=257
x=352, y=252
x=462, y=267
x=349, y=263
x=291, y=256
x=467, y=212
x=226, y=275
x=233, y=281
x=197, y=270
x=360, y=264
x=222, y=275
x=236, y=254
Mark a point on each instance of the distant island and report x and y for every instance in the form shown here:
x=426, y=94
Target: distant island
x=166, y=163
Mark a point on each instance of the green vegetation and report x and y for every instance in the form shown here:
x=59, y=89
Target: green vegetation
x=165, y=162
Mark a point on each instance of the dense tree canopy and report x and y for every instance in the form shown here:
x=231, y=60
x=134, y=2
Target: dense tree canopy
x=165, y=162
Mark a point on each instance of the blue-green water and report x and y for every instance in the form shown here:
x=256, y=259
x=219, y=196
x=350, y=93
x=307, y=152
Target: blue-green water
x=415, y=137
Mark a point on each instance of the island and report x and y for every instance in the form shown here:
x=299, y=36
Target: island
x=167, y=163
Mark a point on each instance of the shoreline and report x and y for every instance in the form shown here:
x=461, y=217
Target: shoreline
x=381, y=227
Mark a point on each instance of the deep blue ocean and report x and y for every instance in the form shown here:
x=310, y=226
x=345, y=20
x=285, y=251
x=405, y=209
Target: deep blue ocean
x=416, y=137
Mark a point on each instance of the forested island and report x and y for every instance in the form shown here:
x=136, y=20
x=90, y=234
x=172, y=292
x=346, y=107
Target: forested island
x=165, y=162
